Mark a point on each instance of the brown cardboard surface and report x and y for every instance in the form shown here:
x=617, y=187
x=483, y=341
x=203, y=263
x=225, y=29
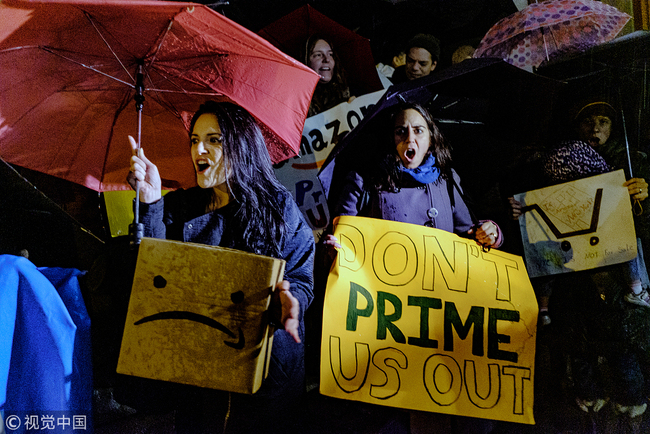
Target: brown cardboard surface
x=198, y=315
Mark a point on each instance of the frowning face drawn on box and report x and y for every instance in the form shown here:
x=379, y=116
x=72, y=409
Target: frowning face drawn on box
x=199, y=315
x=174, y=315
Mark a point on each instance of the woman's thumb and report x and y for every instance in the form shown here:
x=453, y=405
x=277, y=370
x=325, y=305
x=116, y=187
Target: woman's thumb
x=135, y=149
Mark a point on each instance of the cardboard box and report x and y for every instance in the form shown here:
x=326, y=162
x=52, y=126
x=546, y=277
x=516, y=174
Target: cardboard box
x=198, y=315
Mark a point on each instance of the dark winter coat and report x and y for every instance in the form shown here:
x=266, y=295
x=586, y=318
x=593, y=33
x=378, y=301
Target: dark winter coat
x=180, y=215
x=399, y=75
x=429, y=204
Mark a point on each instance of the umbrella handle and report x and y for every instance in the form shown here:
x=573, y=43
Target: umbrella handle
x=136, y=232
x=136, y=229
x=627, y=144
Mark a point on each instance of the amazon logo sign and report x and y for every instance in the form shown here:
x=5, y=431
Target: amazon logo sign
x=171, y=315
x=320, y=134
x=199, y=315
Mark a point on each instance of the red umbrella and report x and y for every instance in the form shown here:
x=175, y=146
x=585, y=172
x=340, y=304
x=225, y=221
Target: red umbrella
x=290, y=34
x=71, y=73
x=544, y=30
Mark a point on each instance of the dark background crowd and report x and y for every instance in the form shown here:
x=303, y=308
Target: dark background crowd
x=389, y=24
x=70, y=224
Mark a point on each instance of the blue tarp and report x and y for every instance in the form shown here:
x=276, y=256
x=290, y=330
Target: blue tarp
x=45, y=352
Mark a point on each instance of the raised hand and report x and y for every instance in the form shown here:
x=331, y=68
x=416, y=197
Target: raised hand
x=144, y=174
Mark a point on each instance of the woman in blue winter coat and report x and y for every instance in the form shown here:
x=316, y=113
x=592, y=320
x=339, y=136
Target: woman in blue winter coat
x=414, y=182
x=238, y=204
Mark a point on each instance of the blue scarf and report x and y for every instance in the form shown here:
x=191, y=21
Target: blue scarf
x=425, y=173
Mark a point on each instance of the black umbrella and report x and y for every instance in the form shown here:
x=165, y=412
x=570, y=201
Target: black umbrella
x=34, y=225
x=485, y=107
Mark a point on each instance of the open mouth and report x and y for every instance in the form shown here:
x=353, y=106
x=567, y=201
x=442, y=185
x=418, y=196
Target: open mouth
x=202, y=166
x=410, y=153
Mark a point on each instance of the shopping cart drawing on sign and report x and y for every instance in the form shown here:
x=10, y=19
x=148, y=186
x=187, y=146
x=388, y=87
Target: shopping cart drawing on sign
x=577, y=225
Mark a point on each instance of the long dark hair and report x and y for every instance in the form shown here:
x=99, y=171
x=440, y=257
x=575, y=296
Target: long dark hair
x=389, y=175
x=251, y=181
x=327, y=95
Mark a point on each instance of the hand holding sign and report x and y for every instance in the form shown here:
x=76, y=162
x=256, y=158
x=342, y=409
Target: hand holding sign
x=287, y=309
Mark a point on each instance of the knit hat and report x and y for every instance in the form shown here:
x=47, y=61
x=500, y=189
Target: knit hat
x=587, y=109
x=426, y=41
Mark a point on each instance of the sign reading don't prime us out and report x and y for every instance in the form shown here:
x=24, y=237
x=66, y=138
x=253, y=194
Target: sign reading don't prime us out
x=422, y=319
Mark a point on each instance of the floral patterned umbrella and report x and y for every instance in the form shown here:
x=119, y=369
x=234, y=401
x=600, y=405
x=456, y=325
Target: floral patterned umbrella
x=543, y=31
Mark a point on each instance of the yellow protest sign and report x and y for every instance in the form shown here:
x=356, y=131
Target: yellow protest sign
x=119, y=210
x=577, y=225
x=422, y=319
